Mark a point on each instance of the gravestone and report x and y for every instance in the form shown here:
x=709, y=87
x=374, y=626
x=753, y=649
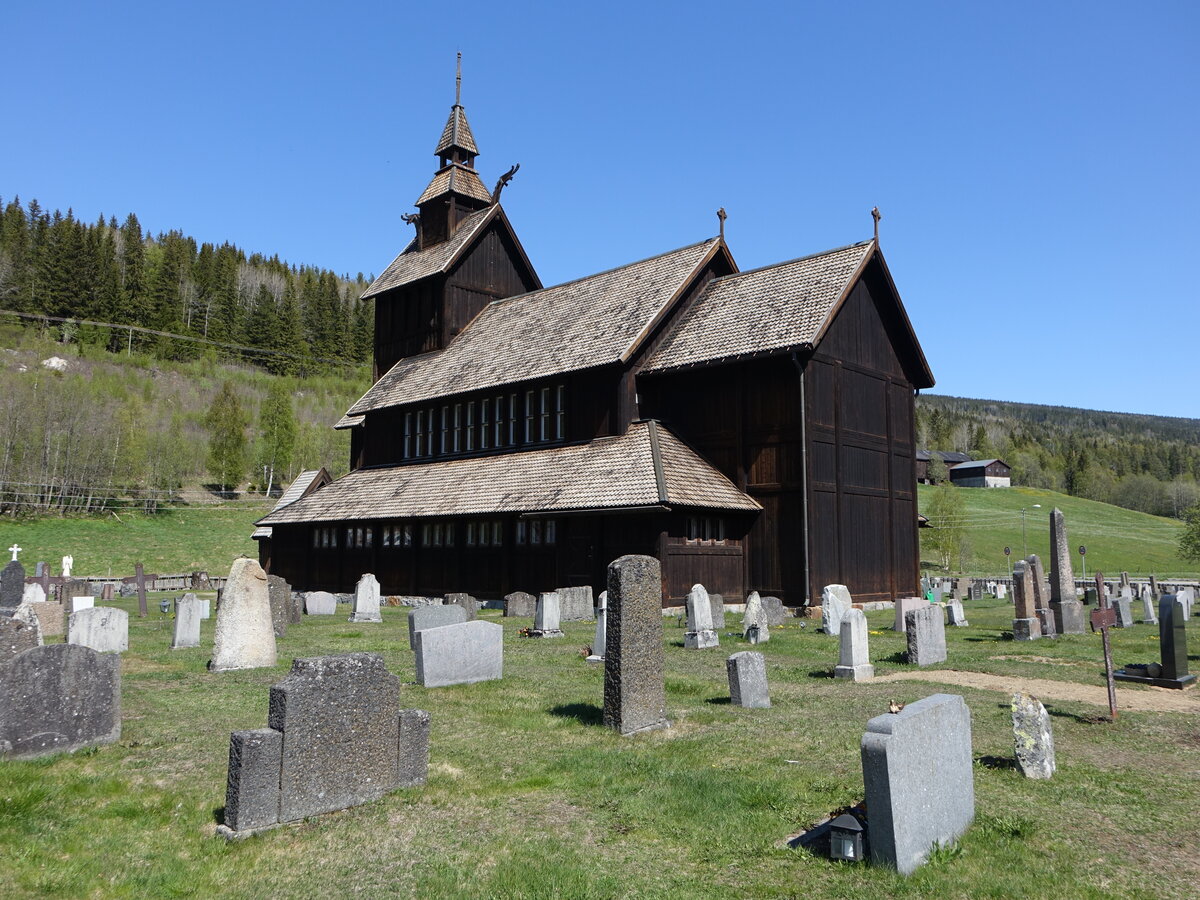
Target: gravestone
x=1046, y=622
x=1001, y=591
x=187, y=623
x=318, y=603
x=575, y=604
x=58, y=698
x=12, y=587
x=955, y=615
x=1123, y=607
x=754, y=622
x=774, y=611
x=717, y=602
x=601, y=636
x=1172, y=672
x=1033, y=736
x=634, y=691
x=1026, y=626
x=76, y=602
x=747, y=672
x=244, y=637
x=1041, y=587
x=466, y=601
x=520, y=605
x=279, y=593
x=104, y=629
x=107, y=592
x=700, y=634
x=975, y=592
x=835, y=600
x=336, y=738
x=1149, y=617
x=962, y=587
x=33, y=593
x=917, y=770
x=50, y=617
x=423, y=617
x=547, y=616
x=27, y=614
x=854, y=661
x=905, y=605
x=926, y=632
x=366, y=600
x=460, y=654
x=17, y=635
x=1068, y=611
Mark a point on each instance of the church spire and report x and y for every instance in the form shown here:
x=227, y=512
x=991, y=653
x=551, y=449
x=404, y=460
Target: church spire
x=457, y=144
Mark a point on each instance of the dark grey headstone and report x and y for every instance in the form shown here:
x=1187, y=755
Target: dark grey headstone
x=12, y=587
x=59, y=697
x=17, y=636
x=634, y=691
x=279, y=592
x=413, y=766
x=575, y=604
x=433, y=617
x=1172, y=638
x=747, y=672
x=252, y=786
x=520, y=605
x=774, y=611
x=917, y=770
x=466, y=601
x=926, y=631
x=718, y=610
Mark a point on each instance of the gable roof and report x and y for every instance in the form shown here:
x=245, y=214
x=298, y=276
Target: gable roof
x=591, y=322
x=947, y=456
x=412, y=264
x=975, y=464
x=647, y=467
x=306, y=483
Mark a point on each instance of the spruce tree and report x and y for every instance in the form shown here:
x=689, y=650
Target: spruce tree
x=226, y=424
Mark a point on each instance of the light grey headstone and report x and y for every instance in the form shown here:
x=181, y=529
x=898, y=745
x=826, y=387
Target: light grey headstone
x=835, y=601
x=700, y=633
x=466, y=601
x=955, y=614
x=1001, y=591
x=754, y=623
x=520, y=605
x=926, y=632
x=774, y=611
x=718, y=610
x=1033, y=736
x=917, y=770
x=33, y=594
x=320, y=603
x=366, y=600
x=245, y=634
x=423, y=617
x=460, y=654
x=546, y=618
x=748, y=680
x=1124, y=610
x=187, y=623
x=74, y=604
x=854, y=660
x=601, y=636
x=634, y=688
x=104, y=629
x=903, y=606
x=58, y=698
x=1149, y=614
x=575, y=604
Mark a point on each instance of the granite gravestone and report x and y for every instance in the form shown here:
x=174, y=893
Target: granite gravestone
x=1124, y=609
x=718, y=610
x=925, y=629
x=50, y=617
x=854, y=661
x=1067, y=610
x=336, y=738
x=1033, y=737
x=58, y=698
x=547, y=616
x=520, y=605
x=102, y=628
x=955, y=615
x=423, y=617
x=747, y=672
x=575, y=604
x=319, y=603
x=1172, y=672
x=634, y=691
x=904, y=605
x=1026, y=626
x=601, y=636
x=279, y=593
x=700, y=633
x=774, y=612
x=466, y=601
x=917, y=770
x=33, y=593
x=187, y=623
x=18, y=634
x=245, y=636
x=12, y=587
x=754, y=622
x=460, y=654
x=366, y=600
x=1149, y=617
x=835, y=601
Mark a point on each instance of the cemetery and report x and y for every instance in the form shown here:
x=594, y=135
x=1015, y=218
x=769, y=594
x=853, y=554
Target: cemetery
x=481, y=764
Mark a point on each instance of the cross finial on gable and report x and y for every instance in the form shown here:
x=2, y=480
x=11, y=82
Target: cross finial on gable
x=14, y=550
x=722, y=216
x=876, y=215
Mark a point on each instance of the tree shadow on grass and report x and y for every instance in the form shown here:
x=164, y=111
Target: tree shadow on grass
x=1004, y=636
x=820, y=673
x=584, y=713
x=1092, y=719
x=996, y=762
x=719, y=701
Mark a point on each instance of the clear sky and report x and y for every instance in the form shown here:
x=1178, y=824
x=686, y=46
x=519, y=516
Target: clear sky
x=1035, y=163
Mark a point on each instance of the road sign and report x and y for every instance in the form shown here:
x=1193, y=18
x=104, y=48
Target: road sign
x=1008, y=551
x=1083, y=550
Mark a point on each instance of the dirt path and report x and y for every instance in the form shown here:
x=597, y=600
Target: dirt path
x=1150, y=699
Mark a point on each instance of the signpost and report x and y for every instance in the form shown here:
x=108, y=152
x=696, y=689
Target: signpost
x=1103, y=619
x=1083, y=558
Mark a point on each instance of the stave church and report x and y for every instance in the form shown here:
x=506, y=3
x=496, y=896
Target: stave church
x=753, y=430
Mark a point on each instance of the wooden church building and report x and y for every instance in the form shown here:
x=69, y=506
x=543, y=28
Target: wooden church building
x=752, y=430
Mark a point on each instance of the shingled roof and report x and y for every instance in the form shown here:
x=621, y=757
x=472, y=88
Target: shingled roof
x=459, y=179
x=457, y=133
x=590, y=322
x=766, y=310
x=645, y=467
x=413, y=264
x=306, y=482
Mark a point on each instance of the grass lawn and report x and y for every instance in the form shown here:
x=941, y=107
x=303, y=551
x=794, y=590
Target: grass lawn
x=1117, y=539
x=529, y=796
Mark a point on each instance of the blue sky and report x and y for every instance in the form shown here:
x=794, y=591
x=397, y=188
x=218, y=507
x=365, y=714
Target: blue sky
x=1035, y=163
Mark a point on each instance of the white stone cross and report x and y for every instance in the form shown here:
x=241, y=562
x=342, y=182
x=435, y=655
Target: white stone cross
x=14, y=550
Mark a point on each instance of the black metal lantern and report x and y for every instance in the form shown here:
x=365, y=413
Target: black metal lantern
x=845, y=838
x=164, y=606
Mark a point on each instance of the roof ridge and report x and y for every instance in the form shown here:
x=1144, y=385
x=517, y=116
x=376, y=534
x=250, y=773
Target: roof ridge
x=788, y=262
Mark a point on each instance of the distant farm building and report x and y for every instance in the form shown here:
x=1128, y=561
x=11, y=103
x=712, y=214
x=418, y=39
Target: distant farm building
x=950, y=458
x=982, y=473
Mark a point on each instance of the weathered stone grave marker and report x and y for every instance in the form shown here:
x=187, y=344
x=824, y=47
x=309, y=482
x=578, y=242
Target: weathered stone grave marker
x=835, y=602
x=1033, y=736
x=1026, y=626
x=245, y=635
x=520, y=605
x=925, y=629
x=423, y=617
x=547, y=616
x=575, y=604
x=104, y=629
x=700, y=633
x=601, y=636
x=187, y=623
x=1067, y=610
x=465, y=653
x=747, y=673
x=754, y=624
x=366, y=600
x=320, y=603
x=634, y=691
x=854, y=661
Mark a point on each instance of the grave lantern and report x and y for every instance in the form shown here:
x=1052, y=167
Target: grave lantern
x=164, y=606
x=845, y=838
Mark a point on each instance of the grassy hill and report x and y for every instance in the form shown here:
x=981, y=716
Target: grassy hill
x=1117, y=539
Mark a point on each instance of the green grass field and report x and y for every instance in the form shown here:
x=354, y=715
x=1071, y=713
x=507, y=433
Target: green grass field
x=1116, y=539
x=529, y=796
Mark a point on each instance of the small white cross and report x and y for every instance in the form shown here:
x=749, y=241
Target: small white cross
x=14, y=550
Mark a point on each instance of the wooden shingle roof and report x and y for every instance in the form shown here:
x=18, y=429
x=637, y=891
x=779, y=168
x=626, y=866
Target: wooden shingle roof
x=645, y=467
x=306, y=482
x=457, y=133
x=459, y=179
x=590, y=322
x=413, y=264
x=766, y=310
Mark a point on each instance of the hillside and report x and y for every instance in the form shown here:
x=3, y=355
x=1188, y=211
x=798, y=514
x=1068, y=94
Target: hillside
x=1116, y=539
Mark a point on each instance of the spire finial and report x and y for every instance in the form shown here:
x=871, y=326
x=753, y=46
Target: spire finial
x=458, y=83
x=876, y=215
x=722, y=216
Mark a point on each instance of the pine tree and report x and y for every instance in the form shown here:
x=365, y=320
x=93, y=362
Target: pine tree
x=262, y=329
x=290, y=335
x=226, y=423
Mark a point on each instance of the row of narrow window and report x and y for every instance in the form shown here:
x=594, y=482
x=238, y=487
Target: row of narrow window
x=507, y=420
x=534, y=532
x=705, y=528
